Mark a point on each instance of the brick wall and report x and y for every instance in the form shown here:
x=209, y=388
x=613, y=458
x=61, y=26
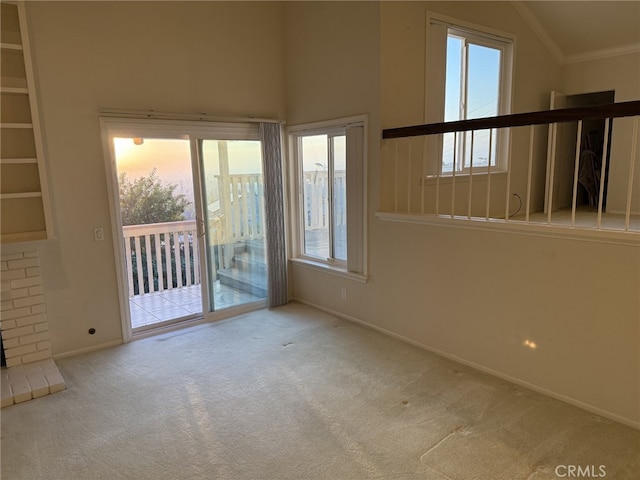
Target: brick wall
x=23, y=317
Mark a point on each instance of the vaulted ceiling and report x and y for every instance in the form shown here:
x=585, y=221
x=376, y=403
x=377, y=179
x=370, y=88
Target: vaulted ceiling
x=581, y=30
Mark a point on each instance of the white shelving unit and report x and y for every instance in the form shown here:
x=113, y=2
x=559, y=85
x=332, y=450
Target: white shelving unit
x=25, y=214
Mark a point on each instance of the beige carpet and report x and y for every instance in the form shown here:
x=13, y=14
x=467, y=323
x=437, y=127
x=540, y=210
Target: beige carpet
x=294, y=393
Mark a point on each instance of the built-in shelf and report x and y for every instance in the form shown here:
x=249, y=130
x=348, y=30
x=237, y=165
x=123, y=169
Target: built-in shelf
x=14, y=90
x=17, y=161
x=14, y=82
x=25, y=212
x=13, y=196
x=11, y=46
x=16, y=125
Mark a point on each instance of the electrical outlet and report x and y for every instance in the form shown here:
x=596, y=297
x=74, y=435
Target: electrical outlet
x=344, y=293
x=98, y=234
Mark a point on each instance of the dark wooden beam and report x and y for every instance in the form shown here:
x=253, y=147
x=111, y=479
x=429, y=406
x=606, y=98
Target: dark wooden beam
x=612, y=110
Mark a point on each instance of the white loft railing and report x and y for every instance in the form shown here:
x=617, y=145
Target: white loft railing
x=526, y=189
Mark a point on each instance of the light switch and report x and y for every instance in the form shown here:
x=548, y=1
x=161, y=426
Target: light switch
x=98, y=234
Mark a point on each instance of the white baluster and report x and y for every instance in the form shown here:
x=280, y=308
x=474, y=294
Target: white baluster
x=136, y=244
x=129, y=264
x=632, y=162
x=470, y=191
x=149, y=256
x=603, y=170
x=576, y=169
x=489, y=160
x=529, y=170
x=158, y=254
x=453, y=174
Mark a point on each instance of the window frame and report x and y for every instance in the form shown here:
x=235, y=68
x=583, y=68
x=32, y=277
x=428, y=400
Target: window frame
x=330, y=199
x=436, y=85
x=356, y=227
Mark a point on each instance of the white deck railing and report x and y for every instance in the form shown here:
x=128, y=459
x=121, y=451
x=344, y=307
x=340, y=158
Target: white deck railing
x=161, y=256
x=526, y=188
x=245, y=207
x=316, y=192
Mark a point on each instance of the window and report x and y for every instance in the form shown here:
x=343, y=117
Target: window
x=328, y=180
x=476, y=84
x=324, y=173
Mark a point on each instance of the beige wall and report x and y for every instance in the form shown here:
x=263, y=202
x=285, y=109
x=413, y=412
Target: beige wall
x=622, y=74
x=190, y=57
x=471, y=294
x=332, y=60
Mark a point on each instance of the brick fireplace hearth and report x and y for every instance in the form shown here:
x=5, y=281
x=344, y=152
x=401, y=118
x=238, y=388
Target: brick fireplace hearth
x=31, y=371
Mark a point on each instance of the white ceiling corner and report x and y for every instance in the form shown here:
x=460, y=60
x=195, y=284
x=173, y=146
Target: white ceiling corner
x=539, y=30
x=578, y=30
x=603, y=53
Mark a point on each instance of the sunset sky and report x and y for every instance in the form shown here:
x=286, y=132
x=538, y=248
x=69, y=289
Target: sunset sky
x=172, y=158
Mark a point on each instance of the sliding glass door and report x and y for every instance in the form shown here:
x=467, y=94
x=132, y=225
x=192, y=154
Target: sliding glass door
x=206, y=252
x=158, y=228
x=233, y=221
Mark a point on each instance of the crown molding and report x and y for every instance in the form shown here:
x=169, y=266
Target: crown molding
x=539, y=30
x=604, y=53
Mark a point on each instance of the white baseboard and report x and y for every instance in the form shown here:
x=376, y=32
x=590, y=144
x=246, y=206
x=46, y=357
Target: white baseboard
x=572, y=401
x=93, y=348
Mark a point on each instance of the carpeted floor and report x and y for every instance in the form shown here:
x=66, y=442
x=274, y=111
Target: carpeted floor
x=294, y=393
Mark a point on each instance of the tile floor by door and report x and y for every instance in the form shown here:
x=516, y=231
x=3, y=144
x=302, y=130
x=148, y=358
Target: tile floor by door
x=157, y=307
